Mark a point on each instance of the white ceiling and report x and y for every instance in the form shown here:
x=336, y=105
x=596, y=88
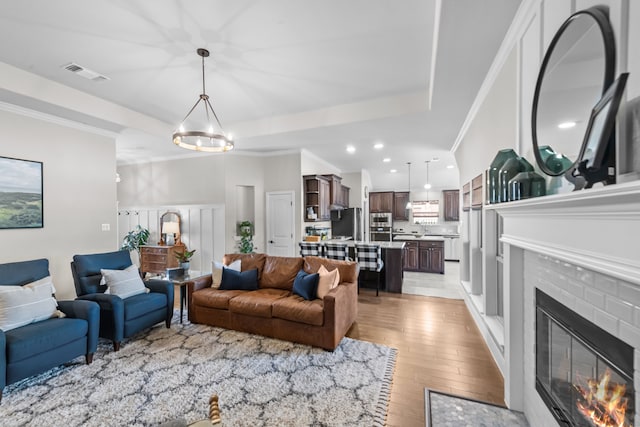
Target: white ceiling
x=282, y=75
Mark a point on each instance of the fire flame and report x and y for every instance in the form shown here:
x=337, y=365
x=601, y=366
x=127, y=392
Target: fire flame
x=603, y=402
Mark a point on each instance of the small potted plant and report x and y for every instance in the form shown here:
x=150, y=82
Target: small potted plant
x=184, y=257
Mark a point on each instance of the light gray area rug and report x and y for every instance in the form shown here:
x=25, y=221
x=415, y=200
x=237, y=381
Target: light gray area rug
x=445, y=410
x=165, y=374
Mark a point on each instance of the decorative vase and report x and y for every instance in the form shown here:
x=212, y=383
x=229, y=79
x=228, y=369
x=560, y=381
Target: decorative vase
x=526, y=185
x=510, y=169
x=493, y=178
x=185, y=266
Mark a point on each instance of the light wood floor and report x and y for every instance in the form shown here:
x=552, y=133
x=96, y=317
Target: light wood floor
x=439, y=347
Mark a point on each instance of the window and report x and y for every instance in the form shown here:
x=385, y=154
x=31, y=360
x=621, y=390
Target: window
x=426, y=212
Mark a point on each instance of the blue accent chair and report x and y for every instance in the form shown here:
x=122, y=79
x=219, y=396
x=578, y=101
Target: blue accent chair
x=40, y=346
x=121, y=318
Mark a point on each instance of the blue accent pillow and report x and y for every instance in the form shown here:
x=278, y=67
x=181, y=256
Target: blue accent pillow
x=306, y=285
x=244, y=281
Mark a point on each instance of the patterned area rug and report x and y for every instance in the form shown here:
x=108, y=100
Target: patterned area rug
x=165, y=374
x=445, y=410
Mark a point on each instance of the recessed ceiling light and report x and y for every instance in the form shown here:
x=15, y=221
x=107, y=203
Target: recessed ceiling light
x=386, y=160
x=449, y=166
x=393, y=170
x=351, y=149
x=427, y=186
x=378, y=146
x=566, y=125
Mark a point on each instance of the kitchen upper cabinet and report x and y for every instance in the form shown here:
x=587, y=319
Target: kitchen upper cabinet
x=338, y=194
x=400, y=211
x=451, y=205
x=381, y=202
x=317, y=198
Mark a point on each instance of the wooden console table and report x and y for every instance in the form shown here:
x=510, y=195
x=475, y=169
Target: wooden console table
x=156, y=259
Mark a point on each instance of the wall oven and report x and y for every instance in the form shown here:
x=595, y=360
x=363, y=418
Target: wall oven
x=380, y=227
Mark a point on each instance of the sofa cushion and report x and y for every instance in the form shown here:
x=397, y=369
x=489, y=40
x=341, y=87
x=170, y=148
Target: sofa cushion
x=216, y=271
x=256, y=303
x=280, y=272
x=306, y=285
x=214, y=298
x=41, y=337
x=348, y=269
x=235, y=280
x=297, y=309
x=327, y=280
x=22, y=305
x=87, y=269
x=23, y=272
x=124, y=283
x=248, y=261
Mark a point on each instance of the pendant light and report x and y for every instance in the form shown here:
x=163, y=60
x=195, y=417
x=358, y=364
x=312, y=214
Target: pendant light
x=409, y=202
x=427, y=186
x=209, y=140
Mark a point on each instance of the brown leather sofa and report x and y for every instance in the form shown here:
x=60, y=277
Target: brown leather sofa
x=273, y=310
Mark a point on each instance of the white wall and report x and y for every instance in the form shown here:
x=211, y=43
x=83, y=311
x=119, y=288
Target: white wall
x=79, y=195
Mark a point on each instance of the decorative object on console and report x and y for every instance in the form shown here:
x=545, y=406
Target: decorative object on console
x=171, y=223
x=493, y=174
x=20, y=193
x=203, y=140
x=583, y=50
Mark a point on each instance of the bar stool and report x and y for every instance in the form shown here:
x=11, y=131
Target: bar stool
x=339, y=251
x=369, y=258
x=310, y=249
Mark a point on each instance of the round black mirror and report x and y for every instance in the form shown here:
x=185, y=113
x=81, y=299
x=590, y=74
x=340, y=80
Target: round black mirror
x=577, y=69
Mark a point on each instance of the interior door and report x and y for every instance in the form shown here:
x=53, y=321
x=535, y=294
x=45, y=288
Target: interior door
x=280, y=223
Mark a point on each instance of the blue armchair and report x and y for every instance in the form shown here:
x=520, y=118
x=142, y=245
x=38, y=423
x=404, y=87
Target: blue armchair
x=37, y=347
x=121, y=318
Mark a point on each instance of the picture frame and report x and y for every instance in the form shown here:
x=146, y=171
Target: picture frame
x=600, y=126
x=21, y=193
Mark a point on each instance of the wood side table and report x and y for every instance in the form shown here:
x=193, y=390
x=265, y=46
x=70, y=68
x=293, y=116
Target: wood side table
x=182, y=281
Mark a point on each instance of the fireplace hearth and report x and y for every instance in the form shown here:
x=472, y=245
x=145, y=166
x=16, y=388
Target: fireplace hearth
x=583, y=374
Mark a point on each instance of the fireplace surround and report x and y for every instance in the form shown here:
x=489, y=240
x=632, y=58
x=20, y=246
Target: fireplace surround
x=583, y=374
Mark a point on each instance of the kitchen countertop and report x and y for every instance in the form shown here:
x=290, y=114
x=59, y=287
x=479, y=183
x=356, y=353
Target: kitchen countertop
x=409, y=238
x=383, y=245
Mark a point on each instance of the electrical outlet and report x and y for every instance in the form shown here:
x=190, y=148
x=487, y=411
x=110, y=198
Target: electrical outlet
x=106, y=227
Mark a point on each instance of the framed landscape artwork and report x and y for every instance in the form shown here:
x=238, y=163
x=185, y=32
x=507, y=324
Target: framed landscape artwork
x=20, y=193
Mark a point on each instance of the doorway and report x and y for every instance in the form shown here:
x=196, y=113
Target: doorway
x=280, y=223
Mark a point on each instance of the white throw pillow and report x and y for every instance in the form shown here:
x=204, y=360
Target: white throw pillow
x=216, y=271
x=45, y=280
x=22, y=305
x=327, y=280
x=124, y=283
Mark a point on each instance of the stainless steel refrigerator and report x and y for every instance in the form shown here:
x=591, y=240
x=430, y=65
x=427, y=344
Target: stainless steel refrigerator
x=347, y=223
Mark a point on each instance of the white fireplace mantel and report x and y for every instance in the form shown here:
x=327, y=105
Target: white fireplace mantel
x=598, y=228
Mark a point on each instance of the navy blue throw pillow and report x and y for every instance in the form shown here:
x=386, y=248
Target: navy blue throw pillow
x=306, y=285
x=244, y=281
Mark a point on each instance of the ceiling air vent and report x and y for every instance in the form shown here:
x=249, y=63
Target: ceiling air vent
x=85, y=72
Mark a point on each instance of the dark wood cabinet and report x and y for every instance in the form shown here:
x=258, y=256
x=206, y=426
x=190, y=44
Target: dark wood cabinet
x=317, y=198
x=344, y=195
x=156, y=259
x=381, y=202
x=431, y=257
x=400, y=211
x=411, y=256
x=338, y=193
x=424, y=256
x=451, y=205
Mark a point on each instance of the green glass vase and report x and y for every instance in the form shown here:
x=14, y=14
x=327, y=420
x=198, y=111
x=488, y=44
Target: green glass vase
x=526, y=185
x=510, y=169
x=493, y=174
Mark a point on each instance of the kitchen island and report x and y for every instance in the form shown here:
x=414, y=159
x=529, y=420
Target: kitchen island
x=392, y=272
x=423, y=253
